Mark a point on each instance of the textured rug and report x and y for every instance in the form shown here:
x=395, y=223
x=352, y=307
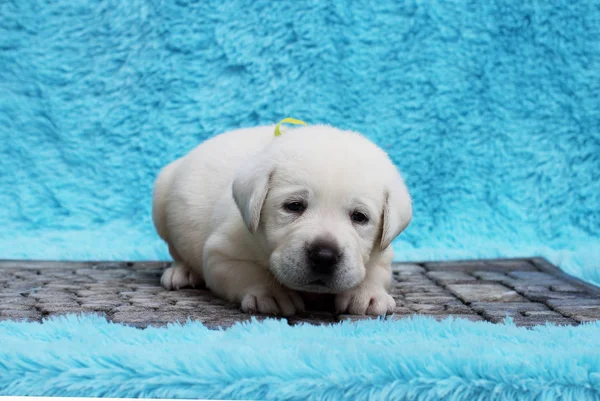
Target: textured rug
x=491, y=109
x=412, y=359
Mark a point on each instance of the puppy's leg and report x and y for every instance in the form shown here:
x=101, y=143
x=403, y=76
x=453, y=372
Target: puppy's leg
x=179, y=275
x=370, y=297
x=251, y=286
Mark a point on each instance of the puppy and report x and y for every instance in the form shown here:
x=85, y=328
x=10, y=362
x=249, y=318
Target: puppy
x=261, y=219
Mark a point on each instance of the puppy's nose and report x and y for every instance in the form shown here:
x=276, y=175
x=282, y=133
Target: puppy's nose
x=324, y=258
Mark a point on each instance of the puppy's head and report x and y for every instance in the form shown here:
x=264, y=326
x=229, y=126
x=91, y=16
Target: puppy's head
x=323, y=202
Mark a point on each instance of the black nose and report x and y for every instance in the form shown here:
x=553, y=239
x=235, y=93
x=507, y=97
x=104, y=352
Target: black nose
x=323, y=258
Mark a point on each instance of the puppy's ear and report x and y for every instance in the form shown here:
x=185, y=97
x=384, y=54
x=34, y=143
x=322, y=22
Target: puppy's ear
x=250, y=188
x=397, y=211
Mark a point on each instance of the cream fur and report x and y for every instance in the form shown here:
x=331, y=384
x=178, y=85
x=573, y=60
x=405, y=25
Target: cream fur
x=221, y=211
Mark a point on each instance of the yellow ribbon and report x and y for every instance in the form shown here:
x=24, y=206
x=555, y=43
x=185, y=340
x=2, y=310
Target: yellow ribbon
x=288, y=121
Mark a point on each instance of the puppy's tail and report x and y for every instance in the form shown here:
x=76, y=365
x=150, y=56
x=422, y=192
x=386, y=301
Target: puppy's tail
x=162, y=188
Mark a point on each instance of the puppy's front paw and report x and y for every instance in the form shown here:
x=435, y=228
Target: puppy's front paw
x=272, y=301
x=365, y=300
x=178, y=276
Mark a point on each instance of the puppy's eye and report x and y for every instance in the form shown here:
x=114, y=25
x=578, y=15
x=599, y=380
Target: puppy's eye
x=359, y=218
x=294, y=207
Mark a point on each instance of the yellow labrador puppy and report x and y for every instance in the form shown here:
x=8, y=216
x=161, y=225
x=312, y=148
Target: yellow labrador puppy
x=261, y=219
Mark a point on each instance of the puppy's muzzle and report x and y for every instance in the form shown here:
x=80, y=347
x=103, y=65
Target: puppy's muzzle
x=324, y=258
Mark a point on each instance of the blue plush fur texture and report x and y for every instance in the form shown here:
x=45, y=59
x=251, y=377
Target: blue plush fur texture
x=491, y=109
x=410, y=359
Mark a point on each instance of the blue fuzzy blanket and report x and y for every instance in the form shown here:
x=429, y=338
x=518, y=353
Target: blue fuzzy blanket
x=417, y=359
x=491, y=109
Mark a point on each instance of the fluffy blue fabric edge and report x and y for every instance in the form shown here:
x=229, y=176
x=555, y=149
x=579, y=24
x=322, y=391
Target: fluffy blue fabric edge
x=414, y=358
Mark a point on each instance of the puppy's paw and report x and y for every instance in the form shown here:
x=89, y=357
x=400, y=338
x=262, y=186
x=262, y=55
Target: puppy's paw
x=272, y=301
x=178, y=276
x=365, y=300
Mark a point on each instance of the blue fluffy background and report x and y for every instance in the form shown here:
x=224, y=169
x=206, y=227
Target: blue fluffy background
x=410, y=359
x=491, y=109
